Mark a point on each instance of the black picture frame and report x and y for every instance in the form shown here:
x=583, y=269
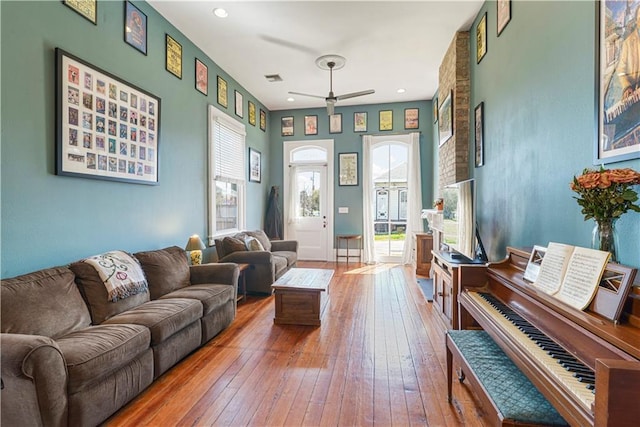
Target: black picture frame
x=360, y=120
x=223, y=98
x=348, y=169
x=239, y=104
x=201, y=78
x=481, y=38
x=252, y=113
x=173, y=56
x=335, y=123
x=89, y=114
x=263, y=120
x=135, y=27
x=311, y=125
x=286, y=126
x=88, y=9
x=503, y=13
x=479, y=135
x=445, y=118
x=255, y=165
x=412, y=118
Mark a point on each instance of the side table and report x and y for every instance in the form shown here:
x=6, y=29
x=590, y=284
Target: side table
x=242, y=282
x=348, y=238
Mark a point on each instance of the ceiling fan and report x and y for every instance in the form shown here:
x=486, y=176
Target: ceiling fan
x=333, y=62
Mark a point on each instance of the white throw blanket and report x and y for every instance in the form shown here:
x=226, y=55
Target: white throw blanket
x=121, y=274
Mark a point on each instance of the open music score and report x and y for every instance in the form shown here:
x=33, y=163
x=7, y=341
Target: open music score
x=571, y=274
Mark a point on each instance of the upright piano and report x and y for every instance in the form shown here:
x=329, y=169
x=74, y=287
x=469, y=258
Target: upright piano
x=586, y=364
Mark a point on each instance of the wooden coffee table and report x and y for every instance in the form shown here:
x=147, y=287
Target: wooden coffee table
x=301, y=296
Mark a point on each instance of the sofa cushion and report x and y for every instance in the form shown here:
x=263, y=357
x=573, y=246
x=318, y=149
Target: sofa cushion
x=45, y=302
x=96, y=351
x=262, y=237
x=253, y=244
x=166, y=270
x=95, y=294
x=291, y=257
x=232, y=244
x=280, y=265
x=163, y=317
x=210, y=295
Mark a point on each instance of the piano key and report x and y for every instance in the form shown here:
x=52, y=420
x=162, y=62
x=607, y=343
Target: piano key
x=560, y=365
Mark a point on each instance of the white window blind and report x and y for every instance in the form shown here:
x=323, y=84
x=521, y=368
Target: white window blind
x=229, y=152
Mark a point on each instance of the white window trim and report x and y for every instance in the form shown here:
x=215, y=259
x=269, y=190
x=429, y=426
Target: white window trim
x=218, y=115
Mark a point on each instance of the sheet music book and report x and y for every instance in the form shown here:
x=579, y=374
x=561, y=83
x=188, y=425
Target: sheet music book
x=571, y=274
x=533, y=266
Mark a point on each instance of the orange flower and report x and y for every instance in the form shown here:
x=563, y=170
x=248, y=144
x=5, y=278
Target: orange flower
x=624, y=176
x=589, y=180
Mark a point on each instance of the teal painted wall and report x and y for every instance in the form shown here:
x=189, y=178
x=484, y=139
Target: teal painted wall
x=348, y=142
x=538, y=85
x=51, y=220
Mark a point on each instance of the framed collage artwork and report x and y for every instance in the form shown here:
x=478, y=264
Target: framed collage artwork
x=106, y=128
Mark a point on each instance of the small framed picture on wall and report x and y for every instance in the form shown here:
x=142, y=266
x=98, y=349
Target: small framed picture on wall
x=481, y=38
x=479, y=139
x=310, y=125
x=411, y=118
x=360, y=122
x=286, y=126
x=335, y=123
x=202, y=77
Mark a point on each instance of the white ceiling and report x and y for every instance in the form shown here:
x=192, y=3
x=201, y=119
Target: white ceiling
x=387, y=44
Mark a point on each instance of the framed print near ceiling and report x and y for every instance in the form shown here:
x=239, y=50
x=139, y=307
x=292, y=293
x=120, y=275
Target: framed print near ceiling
x=106, y=128
x=335, y=123
x=222, y=92
x=504, y=14
x=252, y=113
x=360, y=122
x=86, y=8
x=135, y=27
x=619, y=81
x=239, y=104
x=445, y=119
x=386, y=120
x=263, y=120
x=411, y=118
x=481, y=38
x=202, y=77
x=311, y=125
x=174, y=56
x=286, y=126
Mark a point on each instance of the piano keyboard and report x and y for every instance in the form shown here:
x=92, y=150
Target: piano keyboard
x=578, y=378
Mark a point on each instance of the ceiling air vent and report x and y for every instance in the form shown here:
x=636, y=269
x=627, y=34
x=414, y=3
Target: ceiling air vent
x=273, y=78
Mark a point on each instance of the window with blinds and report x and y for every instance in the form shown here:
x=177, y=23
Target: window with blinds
x=227, y=174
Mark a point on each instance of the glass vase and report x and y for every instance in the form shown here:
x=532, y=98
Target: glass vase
x=605, y=237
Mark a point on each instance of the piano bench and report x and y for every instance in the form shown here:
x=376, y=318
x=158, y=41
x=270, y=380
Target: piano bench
x=500, y=386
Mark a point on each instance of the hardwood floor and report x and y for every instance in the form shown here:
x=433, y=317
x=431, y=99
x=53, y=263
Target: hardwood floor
x=378, y=358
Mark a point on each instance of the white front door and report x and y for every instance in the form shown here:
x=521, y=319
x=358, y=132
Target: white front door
x=308, y=198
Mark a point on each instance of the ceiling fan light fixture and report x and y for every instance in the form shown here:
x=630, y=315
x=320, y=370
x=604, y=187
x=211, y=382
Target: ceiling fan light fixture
x=401, y=90
x=291, y=99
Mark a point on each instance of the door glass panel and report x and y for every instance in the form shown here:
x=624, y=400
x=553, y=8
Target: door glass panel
x=308, y=185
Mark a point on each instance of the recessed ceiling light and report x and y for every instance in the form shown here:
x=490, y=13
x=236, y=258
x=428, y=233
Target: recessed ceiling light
x=290, y=99
x=401, y=90
x=220, y=13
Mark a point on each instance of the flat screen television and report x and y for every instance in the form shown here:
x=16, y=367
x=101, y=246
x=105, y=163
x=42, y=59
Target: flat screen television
x=460, y=239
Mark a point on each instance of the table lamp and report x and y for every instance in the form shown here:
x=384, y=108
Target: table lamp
x=195, y=246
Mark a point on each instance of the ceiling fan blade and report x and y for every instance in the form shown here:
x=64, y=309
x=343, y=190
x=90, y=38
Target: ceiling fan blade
x=354, y=94
x=306, y=94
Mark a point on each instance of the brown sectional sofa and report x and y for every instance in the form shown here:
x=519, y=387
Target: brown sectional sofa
x=70, y=357
x=266, y=265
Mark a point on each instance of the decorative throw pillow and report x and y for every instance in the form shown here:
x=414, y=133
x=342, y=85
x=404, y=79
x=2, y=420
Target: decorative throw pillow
x=231, y=244
x=254, y=244
x=262, y=238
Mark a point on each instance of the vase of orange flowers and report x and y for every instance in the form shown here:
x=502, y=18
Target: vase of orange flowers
x=605, y=195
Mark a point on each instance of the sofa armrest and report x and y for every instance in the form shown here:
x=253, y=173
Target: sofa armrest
x=34, y=375
x=284, y=245
x=249, y=257
x=224, y=273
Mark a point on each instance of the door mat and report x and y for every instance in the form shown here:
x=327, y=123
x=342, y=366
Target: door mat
x=426, y=286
